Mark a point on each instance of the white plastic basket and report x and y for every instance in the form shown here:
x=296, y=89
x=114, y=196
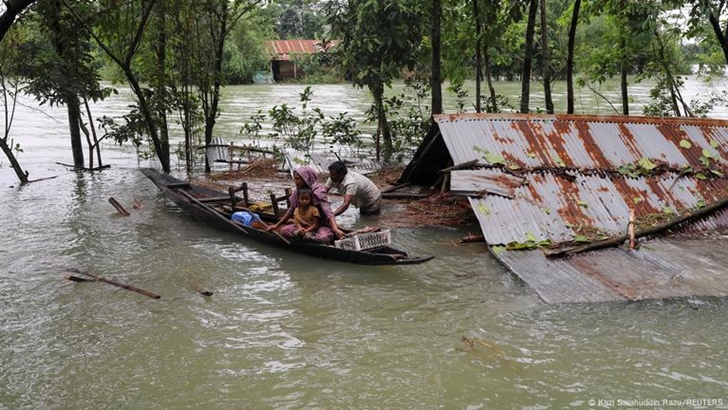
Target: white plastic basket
x=364, y=241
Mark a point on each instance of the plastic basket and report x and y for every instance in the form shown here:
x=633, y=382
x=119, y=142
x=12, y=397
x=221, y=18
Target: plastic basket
x=364, y=241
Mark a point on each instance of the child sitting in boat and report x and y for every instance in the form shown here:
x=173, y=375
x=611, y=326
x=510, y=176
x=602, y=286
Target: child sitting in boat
x=306, y=216
x=306, y=177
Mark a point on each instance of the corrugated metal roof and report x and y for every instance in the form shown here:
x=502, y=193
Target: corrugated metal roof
x=582, y=176
x=570, y=167
x=664, y=269
x=282, y=49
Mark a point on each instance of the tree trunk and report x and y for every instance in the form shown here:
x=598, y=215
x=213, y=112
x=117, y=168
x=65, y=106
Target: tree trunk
x=161, y=147
x=94, y=144
x=160, y=50
x=384, y=141
x=722, y=38
x=570, y=58
x=489, y=79
x=623, y=80
x=8, y=150
x=528, y=58
x=546, y=60
x=13, y=8
x=211, y=114
x=478, y=56
x=74, y=118
x=436, y=61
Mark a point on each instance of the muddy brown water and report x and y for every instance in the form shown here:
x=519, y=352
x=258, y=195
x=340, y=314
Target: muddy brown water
x=287, y=331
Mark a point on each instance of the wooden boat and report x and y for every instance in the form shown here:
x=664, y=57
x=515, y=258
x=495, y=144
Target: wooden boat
x=215, y=208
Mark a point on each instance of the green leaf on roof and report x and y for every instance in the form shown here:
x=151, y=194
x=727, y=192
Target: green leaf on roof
x=483, y=209
x=636, y=200
x=581, y=239
x=646, y=164
x=686, y=144
x=701, y=176
x=531, y=154
x=707, y=153
x=582, y=204
x=700, y=203
x=518, y=246
x=717, y=173
x=497, y=250
x=558, y=160
x=667, y=210
x=493, y=158
x=530, y=237
x=714, y=144
x=514, y=167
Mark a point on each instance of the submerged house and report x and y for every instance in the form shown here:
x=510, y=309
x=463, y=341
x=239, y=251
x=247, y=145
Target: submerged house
x=544, y=187
x=283, y=63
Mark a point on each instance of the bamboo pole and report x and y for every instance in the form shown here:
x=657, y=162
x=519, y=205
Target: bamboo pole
x=654, y=230
x=110, y=282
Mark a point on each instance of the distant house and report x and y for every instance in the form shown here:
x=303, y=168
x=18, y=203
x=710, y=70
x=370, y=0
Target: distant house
x=283, y=65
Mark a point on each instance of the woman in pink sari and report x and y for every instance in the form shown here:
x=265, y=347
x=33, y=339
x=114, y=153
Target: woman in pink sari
x=307, y=177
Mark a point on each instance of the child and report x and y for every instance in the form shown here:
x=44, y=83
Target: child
x=306, y=216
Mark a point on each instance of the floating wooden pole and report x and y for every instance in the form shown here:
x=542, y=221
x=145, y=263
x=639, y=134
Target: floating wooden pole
x=75, y=278
x=110, y=282
x=618, y=240
x=118, y=206
x=196, y=286
x=470, y=238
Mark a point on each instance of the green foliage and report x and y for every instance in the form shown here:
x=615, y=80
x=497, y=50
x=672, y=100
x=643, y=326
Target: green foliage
x=530, y=243
x=343, y=132
x=57, y=59
x=408, y=115
x=296, y=19
x=643, y=167
x=300, y=131
x=378, y=39
x=319, y=68
x=245, y=53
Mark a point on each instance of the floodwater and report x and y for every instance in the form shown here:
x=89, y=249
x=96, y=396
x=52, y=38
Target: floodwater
x=286, y=331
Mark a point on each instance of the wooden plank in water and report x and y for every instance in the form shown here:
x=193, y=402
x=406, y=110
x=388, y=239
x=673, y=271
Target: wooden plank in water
x=118, y=206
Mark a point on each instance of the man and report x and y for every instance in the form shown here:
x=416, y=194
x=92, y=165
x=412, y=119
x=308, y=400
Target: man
x=357, y=190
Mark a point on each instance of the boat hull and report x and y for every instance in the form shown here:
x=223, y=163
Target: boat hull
x=188, y=197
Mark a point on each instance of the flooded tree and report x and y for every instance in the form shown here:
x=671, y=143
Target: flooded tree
x=11, y=10
x=9, y=90
x=378, y=40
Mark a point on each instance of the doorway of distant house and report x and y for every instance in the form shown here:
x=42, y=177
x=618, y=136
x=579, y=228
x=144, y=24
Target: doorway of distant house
x=285, y=70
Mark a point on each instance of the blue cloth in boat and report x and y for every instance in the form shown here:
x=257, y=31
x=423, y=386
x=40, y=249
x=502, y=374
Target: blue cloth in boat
x=246, y=218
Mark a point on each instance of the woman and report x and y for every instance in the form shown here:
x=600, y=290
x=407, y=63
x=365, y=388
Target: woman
x=306, y=177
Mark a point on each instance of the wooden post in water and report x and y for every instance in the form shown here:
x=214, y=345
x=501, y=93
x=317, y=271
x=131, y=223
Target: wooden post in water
x=118, y=206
